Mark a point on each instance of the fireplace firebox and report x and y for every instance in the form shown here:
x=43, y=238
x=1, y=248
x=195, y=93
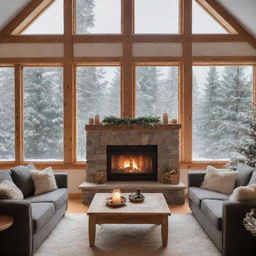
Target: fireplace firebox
x=132, y=163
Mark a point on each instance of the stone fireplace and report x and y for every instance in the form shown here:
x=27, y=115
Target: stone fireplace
x=157, y=148
x=133, y=157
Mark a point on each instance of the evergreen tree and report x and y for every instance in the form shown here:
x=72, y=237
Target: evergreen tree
x=147, y=90
x=7, y=103
x=84, y=16
x=246, y=149
x=208, y=121
x=43, y=113
x=234, y=106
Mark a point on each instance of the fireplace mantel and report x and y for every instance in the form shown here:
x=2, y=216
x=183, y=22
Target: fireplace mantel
x=161, y=127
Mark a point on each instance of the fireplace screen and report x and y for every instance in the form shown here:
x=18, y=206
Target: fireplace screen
x=132, y=162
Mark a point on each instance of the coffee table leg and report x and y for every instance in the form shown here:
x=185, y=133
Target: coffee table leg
x=92, y=230
x=164, y=230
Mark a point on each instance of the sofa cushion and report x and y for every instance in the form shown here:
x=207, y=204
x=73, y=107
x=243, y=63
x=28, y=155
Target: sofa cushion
x=58, y=197
x=212, y=209
x=5, y=175
x=253, y=179
x=8, y=190
x=244, y=174
x=21, y=176
x=196, y=195
x=41, y=213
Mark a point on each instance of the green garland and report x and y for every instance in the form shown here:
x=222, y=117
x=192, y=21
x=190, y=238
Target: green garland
x=127, y=121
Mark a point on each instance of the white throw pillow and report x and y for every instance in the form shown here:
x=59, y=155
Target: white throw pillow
x=8, y=190
x=244, y=193
x=44, y=181
x=219, y=180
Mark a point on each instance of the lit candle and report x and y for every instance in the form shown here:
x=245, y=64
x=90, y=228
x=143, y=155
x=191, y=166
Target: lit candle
x=116, y=198
x=165, y=118
x=97, y=119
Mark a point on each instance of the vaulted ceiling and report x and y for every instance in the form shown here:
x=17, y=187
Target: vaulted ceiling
x=244, y=11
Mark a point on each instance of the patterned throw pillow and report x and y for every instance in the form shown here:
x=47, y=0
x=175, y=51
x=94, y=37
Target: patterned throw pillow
x=8, y=190
x=44, y=181
x=244, y=193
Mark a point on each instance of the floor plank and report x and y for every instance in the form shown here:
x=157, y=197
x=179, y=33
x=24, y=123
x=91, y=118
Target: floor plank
x=77, y=206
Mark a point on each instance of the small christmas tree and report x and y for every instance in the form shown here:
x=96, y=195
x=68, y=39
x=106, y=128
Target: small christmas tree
x=247, y=148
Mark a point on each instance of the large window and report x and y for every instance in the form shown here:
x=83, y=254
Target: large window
x=222, y=97
x=7, y=114
x=98, y=92
x=158, y=17
x=98, y=16
x=157, y=90
x=43, y=113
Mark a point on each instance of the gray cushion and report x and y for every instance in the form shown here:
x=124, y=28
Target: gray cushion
x=253, y=179
x=58, y=197
x=212, y=209
x=21, y=176
x=196, y=195
x=41, y=213
x=244, y=174
x=5, y=175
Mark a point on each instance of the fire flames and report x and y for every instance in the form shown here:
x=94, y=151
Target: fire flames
x=130, y=165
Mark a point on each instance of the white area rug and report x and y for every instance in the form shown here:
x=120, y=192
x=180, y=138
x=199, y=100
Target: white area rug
x=70, y=238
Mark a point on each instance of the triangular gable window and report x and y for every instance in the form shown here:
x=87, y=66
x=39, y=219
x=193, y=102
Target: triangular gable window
x=204, y=23
x=49, y=22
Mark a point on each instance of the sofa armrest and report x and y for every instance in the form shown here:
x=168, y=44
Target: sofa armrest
x=236, y=239
x=17, y=240
x=61, y=179
x=195, y=178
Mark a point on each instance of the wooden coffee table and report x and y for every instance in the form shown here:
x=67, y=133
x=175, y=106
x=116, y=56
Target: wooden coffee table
x=154, y=210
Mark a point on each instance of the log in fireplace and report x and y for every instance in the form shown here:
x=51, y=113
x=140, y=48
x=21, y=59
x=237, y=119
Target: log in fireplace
x=131, y=163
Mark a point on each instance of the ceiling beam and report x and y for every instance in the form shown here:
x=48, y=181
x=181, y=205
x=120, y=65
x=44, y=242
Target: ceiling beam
x=27, y=15
x=215, y=7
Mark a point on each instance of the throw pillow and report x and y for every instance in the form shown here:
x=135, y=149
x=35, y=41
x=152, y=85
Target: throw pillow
x=253, y=179
x=219, y=180
x=8, y=190
x=44, y=181
x=244, y=174
x=244, y=193
x=21, y=176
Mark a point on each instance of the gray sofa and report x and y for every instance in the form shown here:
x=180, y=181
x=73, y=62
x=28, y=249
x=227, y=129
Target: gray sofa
x=34, y=217
x=220, y=218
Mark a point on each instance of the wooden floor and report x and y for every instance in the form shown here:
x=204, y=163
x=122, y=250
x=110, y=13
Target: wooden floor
x=77, y=206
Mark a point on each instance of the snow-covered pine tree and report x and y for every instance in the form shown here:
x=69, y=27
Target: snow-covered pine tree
x=7, y=128
x=246, y=148
x=207, y=121
x=236, y=91
x=147, y=90
x=43, y=113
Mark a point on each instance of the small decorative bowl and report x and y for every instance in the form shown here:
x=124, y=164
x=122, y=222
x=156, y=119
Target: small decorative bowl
x=110, y=204
x=135, y=199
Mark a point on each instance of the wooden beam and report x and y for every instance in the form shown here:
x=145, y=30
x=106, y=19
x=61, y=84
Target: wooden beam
x=216, y=16
x=157, y=38
x=223, y=60
x=41, y=60
x=230, y=19
x=186, y=87
x=254, y=84
x=202, y=165
x=97, y=38
x=19, y=114
x=128, y=78
x=69, y=89
x=32, y=39
x=217, y=38
x=31, y=11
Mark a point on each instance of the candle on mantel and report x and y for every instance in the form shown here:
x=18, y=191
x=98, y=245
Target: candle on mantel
x=165, y=118
x=91, y=121
x=97, y=119
x=116, y=197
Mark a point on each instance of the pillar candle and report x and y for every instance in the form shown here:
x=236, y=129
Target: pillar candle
x=97, y=119
x=165, y=118
x=91, y=121
x=116, y=198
